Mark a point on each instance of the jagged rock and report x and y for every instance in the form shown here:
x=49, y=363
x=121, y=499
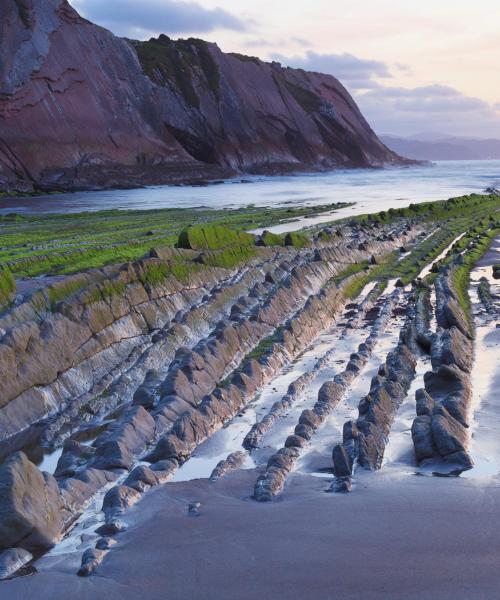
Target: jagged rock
x=31, y=506
x=164, y=469
x=12, y=560
x=341, y=485
x=74, y=455
x=452, y=347
x=461, y=459
x=342, y=464
x=79, y=489
x=113, y=455
x=118, y=499
x=304, y=431
x=232, y=462
x=451, y=386
x=448, y=435
x=310, y=419
x=115, y=448
x=112, y=528
x=146, y=395
x=105, y=543
x=141, y=479
x=294, y=441
x=421, y=433
x=91, y=559
x=330, y=393
x=349, y=431
x=425, y=403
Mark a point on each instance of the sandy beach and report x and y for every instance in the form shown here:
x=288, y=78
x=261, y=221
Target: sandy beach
x=395, y=538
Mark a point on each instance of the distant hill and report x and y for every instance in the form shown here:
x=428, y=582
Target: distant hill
x=446, y=148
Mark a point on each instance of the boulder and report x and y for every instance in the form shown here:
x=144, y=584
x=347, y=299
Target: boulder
x=74, y=455
x=448, y=435
x=113, y=455
x=12, y=560
x=118, y=499
x=421, y=434
x=141, y=479
x=452, y=347
x=91, y=559
x=31, y=506
x=330, y=393
x=425, y=403
x=105, y=543
x=342, y=464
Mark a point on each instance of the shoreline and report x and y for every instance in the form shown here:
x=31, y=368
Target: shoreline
x=197, y=182
x=309, y=543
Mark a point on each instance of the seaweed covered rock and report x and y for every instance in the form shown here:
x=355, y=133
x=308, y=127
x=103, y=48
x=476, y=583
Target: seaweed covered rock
x=31, y=506
x=212, y=237
x=268, y=238
x=7, y=288
x=297, y=240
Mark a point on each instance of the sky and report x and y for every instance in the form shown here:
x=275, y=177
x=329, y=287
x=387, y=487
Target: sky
x=431, y=66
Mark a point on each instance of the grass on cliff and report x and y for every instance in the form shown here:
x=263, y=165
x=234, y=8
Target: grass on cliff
x=70, y=243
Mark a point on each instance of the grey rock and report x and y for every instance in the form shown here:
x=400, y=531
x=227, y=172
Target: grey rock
x=342, y=464
x=113, y=527
x=12, y=560
x=425, y=403
x=91, y=559
x=341, y=485
x=105, y=543
x=448, y=435
x=421, y=434
x=141, y=479
x=194, y=509
x=31, y=506
x=118, y=499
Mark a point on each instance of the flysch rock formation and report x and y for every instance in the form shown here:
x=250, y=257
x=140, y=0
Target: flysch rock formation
x=440, y=431
x=81, y=108
x=131, y=375
x=128, y=376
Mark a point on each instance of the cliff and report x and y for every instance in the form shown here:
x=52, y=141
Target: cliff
x=81, y=108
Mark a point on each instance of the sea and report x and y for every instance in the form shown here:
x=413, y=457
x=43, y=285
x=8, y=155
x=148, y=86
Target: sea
x=370, y=189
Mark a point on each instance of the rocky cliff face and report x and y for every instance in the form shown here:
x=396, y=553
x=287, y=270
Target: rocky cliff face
x=81, y=108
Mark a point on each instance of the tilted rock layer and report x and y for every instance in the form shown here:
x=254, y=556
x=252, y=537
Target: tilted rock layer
x=81, y=108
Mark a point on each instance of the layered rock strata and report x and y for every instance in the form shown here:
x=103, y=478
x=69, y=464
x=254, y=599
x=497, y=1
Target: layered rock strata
x=272, y=481
x=364, y=441
x=238, y=328
x=443, y=406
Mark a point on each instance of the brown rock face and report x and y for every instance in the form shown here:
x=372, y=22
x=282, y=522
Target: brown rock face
x=30, y=506
x=81, y=108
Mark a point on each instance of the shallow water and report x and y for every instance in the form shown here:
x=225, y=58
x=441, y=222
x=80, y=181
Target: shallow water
x=371, y=189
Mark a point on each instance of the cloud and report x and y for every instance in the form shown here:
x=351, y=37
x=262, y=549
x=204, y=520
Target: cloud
x=355, y=73
x=401, y=110
x=279, y=43
x=150, y=17
x=301, y=42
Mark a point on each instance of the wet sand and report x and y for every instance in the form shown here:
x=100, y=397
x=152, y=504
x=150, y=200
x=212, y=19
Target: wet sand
x=394, y=538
